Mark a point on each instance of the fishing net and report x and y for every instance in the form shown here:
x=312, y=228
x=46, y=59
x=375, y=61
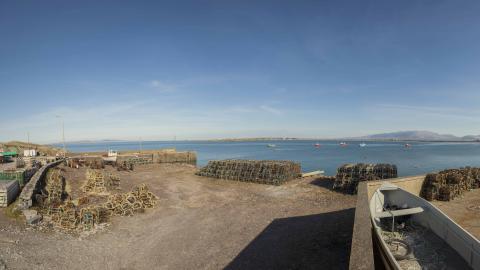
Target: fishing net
x=424, y=250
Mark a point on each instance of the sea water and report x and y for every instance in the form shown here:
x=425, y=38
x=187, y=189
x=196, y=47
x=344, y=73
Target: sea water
x=420, y=158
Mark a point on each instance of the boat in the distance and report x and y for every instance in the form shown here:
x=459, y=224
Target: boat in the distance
x=343, y=144
x=271, y=145
x=411, y=233
x=407, y=145
x=362, y=144
x=317, y=145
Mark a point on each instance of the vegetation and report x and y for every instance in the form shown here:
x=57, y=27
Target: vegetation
x=18, y=147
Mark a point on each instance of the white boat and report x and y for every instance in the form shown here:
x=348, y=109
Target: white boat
x=362, y=144
x=271, y=145
x=411, y=233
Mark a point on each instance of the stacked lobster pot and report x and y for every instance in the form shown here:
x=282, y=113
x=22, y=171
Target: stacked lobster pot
x=98, y=182
x=55, y=187
x=273, y=172
x=349, y=175
x=449, y=184
x=70, y=217
x=126, y=204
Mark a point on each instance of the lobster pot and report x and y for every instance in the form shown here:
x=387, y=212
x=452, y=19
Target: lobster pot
x=448, y=184
x=349, y=175
x=8, y=192
x=22, y=176
x=273, y=172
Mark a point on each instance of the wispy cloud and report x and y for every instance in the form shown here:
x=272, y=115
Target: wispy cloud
x=163, y=86
x=466, y=113
x=254, y=109
x=270, y=109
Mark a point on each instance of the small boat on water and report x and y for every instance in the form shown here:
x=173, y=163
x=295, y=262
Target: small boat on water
x=411, y=233
x=362, y=144
x=317, y=145
x=407, y=145
x=271, y=145
x=343, y=144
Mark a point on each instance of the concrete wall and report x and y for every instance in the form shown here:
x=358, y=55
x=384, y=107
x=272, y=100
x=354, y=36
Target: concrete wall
x=412, y=184
x=174, y=157
x=169, y=156
x=362, y=250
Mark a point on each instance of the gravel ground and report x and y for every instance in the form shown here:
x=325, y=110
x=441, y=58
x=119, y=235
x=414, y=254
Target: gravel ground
x=199, y=223
x=464, y=210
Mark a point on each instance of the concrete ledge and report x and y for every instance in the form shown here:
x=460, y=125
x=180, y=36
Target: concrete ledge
x=25, y=200
x=412, y=184
x=361, y=252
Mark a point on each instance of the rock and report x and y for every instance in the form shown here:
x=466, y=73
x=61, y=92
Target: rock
x=31, y=216
x=34, y=219
x=3, y=265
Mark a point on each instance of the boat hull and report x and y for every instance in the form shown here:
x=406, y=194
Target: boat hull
x=432, y=218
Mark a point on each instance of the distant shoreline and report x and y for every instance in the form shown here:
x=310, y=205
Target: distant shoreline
x=276, y=139
x=340, y=139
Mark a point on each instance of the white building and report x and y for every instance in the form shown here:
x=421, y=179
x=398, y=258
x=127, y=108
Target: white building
x=30, y=153
x=112, y=153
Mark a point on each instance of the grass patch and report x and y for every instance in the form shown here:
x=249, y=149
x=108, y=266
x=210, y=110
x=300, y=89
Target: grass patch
x=12, y=212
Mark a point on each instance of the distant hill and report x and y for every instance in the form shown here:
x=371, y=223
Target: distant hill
x=418, y=135
x=20, y=146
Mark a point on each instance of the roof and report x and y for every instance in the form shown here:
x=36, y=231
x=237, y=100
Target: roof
x=11, y=153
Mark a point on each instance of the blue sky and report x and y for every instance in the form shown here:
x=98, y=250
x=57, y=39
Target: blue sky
x=215, y=69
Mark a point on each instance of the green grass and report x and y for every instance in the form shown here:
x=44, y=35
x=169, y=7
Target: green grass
x=12, y=212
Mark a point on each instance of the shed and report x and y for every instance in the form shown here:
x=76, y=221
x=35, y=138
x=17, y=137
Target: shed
x=9, y=154
x=29, y=153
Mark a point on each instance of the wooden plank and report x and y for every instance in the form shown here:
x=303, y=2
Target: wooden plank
x=312, y=173
x=401, y=212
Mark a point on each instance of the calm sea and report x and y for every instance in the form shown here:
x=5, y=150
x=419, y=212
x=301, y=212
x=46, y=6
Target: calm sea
x=420, y=158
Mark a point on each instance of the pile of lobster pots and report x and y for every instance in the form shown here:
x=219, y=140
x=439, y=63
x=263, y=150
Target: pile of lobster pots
x=273, y=172
x=90, y=162
x=449, y=184
x=349, y=175
x=126, y=204
x=99, y=182
x=78, y=217
x=54, y=186
x=71, y=217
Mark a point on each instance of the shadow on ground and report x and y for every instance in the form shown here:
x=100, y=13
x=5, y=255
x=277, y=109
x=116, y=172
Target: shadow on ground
x=323, y=182
x=307, y=242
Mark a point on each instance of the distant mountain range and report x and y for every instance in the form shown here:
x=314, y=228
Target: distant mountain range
x=418, y=135
x=410, y=135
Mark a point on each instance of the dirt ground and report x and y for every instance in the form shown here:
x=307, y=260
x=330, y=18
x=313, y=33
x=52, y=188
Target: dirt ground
x=199, y=223
x=464, y=210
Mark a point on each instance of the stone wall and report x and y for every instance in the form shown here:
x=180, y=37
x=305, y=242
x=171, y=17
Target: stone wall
x=25, y=199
